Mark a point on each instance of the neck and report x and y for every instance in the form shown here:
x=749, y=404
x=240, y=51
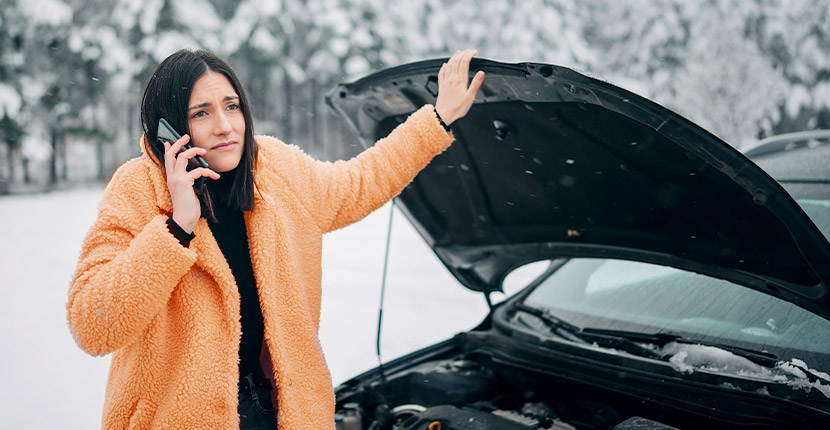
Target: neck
x=221, y=187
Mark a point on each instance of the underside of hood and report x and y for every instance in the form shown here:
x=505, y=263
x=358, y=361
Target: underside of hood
x=552, y=163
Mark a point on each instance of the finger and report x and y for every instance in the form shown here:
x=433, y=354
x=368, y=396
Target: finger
x=183, y=157
x=176, y=146
x=452, y=64
x=457, y=63
x=170, y=155
x=441, y=73
x=475, y=85
x=191, y=152
x=169, y=158
x=464, y=67
x=202, y=171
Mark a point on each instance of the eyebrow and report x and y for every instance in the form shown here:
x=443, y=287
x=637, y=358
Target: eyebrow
x=201, y=105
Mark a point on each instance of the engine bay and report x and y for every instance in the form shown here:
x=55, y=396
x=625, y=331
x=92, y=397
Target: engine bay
x=461, y=393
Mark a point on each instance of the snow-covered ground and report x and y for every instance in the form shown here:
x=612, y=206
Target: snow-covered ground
x=48, y=382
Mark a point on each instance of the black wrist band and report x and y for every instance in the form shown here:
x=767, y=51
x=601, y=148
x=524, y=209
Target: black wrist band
x=179, y=233
x=441, y=121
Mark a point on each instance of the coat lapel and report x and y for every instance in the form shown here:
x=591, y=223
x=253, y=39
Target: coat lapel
x=264, y=224
x=280, y=297
x=209, y=256
x=212, y=261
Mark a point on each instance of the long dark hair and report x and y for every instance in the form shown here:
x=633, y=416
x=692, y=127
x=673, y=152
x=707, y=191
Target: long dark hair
x=167, y=95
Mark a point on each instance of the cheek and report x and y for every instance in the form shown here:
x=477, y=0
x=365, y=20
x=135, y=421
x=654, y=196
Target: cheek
x=197, y=135
x=239, y=123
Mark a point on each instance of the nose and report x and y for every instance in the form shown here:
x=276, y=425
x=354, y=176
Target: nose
x=222, y=126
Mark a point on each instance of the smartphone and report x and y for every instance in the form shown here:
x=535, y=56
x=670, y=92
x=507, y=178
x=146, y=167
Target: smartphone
x=166, y=133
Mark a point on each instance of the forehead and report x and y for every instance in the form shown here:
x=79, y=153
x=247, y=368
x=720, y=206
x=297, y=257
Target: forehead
x=212, y=84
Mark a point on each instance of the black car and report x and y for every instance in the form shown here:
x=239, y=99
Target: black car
x=683, y=286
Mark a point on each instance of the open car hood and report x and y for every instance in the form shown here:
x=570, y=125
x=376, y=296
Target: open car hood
x=552, y=163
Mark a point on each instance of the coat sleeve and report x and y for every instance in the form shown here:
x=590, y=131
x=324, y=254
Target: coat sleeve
x=128, y=268
x=347, y=191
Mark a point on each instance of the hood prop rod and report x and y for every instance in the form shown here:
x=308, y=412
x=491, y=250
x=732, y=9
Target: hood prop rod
x=383, y=288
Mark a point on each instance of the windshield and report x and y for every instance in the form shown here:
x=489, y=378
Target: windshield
x=819, y=211
x=640, y=297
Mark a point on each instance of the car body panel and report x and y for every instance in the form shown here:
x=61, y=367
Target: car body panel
x=552, y=163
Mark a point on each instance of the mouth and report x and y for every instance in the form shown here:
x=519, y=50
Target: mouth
x=224, y=146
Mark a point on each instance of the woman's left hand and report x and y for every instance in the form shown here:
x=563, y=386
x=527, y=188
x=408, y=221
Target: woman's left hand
x=454, y=96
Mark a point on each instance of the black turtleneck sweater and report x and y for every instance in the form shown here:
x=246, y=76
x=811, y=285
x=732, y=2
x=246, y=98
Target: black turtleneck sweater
x=231, y=235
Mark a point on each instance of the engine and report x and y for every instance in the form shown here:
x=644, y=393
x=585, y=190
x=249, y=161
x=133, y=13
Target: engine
x=463, y=394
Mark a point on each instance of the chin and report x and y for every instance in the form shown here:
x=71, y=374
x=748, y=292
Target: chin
x=223, y=165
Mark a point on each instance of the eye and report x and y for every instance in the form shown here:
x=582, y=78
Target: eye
x=199, y=114
x=233, y=106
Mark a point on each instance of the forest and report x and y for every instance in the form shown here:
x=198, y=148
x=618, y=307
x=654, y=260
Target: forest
x=72, y=72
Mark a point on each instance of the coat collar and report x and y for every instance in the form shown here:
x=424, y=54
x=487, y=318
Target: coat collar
x=157, y=177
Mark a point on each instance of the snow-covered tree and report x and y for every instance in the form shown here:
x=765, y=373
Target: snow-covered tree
x=643, y=43
x=704, y=59
x=795, y=36
x=72, y=71
x=726, y=84
x=47, y=79
x=11, y=100
x=510, y=30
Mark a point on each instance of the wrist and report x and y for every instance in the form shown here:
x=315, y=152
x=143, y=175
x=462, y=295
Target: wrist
x=441, y=120
x=179, y=233
x=185, y=225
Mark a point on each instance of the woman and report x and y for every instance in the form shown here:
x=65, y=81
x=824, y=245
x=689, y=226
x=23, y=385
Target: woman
x=207, y=297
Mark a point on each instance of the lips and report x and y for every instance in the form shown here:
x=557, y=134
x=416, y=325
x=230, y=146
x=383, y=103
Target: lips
x=225, y=146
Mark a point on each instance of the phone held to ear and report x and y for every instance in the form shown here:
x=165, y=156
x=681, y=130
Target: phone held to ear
x=166, y=133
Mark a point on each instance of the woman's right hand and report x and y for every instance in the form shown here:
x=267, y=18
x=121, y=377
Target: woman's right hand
x=186, y=209
x=456, y=93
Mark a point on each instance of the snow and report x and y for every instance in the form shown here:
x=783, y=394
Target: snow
x=39, y=251
x=339, y=46
x=149, y=15
x=356, y=66
x=240, y=26
x=821, y=93
x=688, y=358
x=36, y=148
x=46, y=12
x=264, y=40
x=207, y=21
x=803, y=365
x=166, y=43
x=294, y=71
x=797, y=99
x=9, y=101
x=678, y=360
x=794, y=374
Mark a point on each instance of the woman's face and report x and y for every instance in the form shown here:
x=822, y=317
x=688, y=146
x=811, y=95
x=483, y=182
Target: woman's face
x=216, y=122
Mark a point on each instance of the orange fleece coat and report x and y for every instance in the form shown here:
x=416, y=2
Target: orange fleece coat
x=170, y=314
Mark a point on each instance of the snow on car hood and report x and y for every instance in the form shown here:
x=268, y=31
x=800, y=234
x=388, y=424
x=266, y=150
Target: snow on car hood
x=551, y=163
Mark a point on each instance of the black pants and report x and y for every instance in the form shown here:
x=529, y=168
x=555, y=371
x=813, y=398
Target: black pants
x=255, y=409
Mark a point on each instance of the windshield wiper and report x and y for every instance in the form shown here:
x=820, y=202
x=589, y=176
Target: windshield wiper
x=635, y=342
x=659, y=338
x=574, y=333
x=762, y=358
